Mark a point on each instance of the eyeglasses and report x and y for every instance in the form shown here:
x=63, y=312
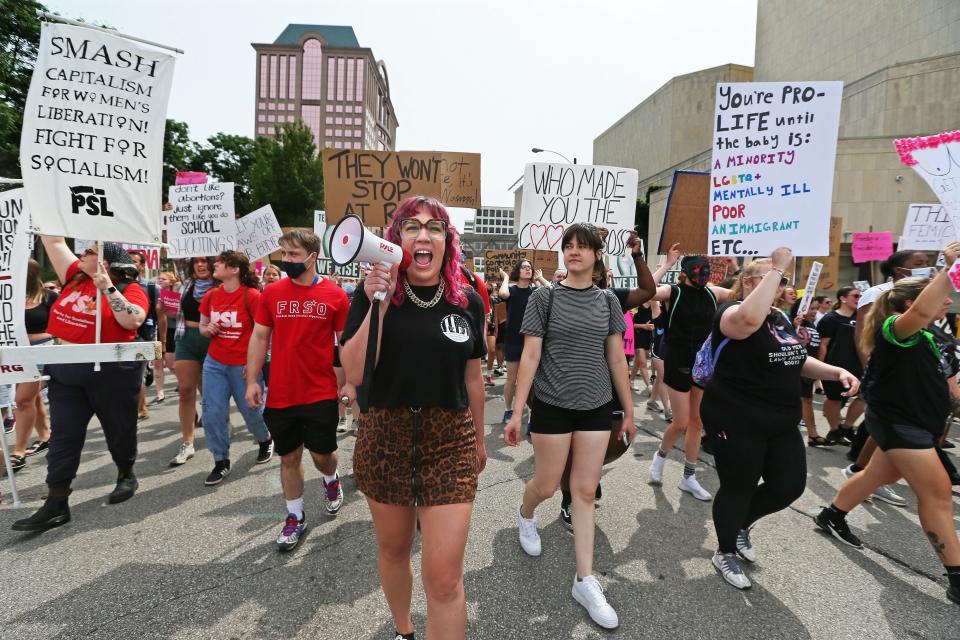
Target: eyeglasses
x=410, y=229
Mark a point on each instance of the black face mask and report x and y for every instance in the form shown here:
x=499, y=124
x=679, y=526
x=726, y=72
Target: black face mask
x=295, y=269
x=697, y=272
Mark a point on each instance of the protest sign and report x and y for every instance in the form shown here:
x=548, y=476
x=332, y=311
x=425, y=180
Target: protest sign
x=258, y=233
x=14, y=229
x=688, y=210
x=810, y=290
x=718, y=269
x=928, y=227
x=202, y=221
x=861, y=285
x=494, y=260
x=830, y=273
x=672, y=276
x=190, y=177
x=91, y=148
x=936, y=159
x=558, y=195
x=871, y=245
x=323, y=231
x=772, y=169
x=954, y=274
x=151, y=255
x=623, y=272
x=371, y=184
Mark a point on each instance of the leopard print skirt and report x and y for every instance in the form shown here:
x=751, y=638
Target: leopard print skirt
x=426, y=457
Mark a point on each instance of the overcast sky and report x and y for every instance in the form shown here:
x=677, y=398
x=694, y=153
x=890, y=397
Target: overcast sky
x=490, y=76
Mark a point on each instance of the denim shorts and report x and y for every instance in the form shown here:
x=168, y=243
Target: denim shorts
x=34, y=343
x=191, y=345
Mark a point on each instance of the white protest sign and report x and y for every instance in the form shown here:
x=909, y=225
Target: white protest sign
x=936, y=159
x=202, y=221
x=928, y=227
x=861, y=285
x=558, y=195
x=771, y=182
x=811, y=288
x=323, y=231
x=258, y=233
x=14, y=229
x=91, y=148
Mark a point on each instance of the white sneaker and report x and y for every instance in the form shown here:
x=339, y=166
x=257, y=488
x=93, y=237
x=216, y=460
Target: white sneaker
x=656, y=469
x=885, y=493
x=185, y=453
x=529, y=537
x=342, y=425
x=745, y=547
x=729, y=567
x=691, y=486
x=848, y=472
x=589, y=594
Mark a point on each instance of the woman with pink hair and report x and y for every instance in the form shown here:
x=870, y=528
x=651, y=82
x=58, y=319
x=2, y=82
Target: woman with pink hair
x=420, y=443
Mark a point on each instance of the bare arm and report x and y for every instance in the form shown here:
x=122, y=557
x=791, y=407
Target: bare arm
x=824, y=347
x=476, y=396
x=858, y=332
x=529, y=361
x=617, y=363
x=646, y=285
x=930, y=301
x=725, y=295
x=741, y=321
x=353, y=354
x=813, y=368
x=504, y=291
x=128, y=315
x=60, y=255
x=208, y=329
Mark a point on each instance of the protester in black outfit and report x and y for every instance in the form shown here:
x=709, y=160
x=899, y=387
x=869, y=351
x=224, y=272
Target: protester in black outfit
x=750, y=411
x=516, y=297
x=810, y=338
x=838, y=347
x=908, y=403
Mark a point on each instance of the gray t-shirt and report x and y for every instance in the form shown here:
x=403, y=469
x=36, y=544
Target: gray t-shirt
x=573, y=371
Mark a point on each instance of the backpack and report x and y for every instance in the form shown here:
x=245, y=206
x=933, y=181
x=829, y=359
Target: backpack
x=147, y=331
x=706, y=360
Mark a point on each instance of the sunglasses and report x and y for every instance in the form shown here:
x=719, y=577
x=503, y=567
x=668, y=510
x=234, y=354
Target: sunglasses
x=410, y=229
x=51, y=287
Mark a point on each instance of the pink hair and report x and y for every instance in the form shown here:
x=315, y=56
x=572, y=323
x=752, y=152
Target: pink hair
x=453, y=281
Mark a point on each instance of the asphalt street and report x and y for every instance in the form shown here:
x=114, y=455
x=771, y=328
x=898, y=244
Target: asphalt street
x=181, y=560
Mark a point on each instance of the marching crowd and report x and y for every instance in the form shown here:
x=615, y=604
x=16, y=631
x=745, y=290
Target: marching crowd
x=732, y=367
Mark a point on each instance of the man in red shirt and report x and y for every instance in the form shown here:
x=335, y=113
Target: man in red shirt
x=301, y=313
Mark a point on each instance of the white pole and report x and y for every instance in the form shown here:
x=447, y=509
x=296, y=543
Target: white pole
x=96, y=365
x=55, y=18
x=6, y=461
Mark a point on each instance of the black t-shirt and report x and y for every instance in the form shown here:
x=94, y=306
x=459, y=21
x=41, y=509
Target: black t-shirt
x=905, y=382
x=689, y=318
x=755, y=380
x=516, y=307
x=35, y=319
x=810, y=337
x=842, y=351
x=423, y=352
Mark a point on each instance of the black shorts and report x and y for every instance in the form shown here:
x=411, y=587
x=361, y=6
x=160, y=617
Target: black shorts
x=171, y=339
x=806, y=388
x=900, y=436
x=834, y=391
x=502, y=332
x=313, y=426
x=491, y=329
x=677, y=365
x=336, y=357
x=550, y=419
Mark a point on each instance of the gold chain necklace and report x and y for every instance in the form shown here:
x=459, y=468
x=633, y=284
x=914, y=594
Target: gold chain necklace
x=420, y=303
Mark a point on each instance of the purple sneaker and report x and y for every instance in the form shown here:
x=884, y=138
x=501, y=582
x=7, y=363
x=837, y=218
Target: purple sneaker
x=333, y=493
x=293, y=528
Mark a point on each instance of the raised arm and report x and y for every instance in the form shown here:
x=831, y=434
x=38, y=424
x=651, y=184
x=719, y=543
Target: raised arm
x=741, y=321
x=60, y=255
x=930, y=301
x=646, y=285
x=504, y=285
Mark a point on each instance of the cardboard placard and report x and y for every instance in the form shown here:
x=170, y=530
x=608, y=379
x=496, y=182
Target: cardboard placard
x=202, y=221
x=258, y=233
x=688, y=208
x=494, y=260
x=771, y=183
x=14, y=229
x=927, y=227
x=830, y=273
x=718, y=269
x=871, y=245
x=371, y=184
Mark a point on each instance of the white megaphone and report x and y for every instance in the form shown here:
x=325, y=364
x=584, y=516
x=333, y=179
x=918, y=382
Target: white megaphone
x=352, y=242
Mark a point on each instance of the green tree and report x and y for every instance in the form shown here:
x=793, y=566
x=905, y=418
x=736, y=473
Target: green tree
x=287, y=174
x=179, y=153
x=19, y=37
x=229, y=158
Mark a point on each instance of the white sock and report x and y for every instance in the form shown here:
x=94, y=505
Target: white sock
x=296, y=507
x=329, y=479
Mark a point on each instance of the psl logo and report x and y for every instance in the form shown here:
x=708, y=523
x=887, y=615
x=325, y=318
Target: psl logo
x=91, y=201
x=226, y=319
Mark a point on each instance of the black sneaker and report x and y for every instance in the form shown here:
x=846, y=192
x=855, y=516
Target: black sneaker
x=565, y=516
x=598, y=493
x=840, y=530
x=127, y=485
x=38, y=446
x=953, y=594
x=220, y=471
x=53, y=513
x=835, y=437
x=266, y=452
x=405, y=636
x=848, y=432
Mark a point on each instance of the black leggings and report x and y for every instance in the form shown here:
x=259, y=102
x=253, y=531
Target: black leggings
x=745, y=453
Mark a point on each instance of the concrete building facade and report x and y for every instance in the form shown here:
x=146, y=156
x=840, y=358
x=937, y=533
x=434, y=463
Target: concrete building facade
x=900, y=63
x=321, y=75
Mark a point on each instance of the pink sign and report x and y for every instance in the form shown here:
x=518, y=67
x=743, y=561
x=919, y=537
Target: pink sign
x=628, y=346
x=191, y=177
x=954, y=274
x=170, y=300
x=872, y=245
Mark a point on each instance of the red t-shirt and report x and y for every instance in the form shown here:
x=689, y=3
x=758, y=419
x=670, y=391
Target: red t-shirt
x=482, y=290
x=303, y=320
x=234, y=312
x=73, y=316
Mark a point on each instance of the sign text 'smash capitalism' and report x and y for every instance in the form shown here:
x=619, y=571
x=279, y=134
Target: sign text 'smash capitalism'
x=202, y=221
x=771, y=179
x=371, y=184
x=91, y=149
x=558, y=195
x=937, y=159
x=258, y=233
x=927, y=227
x=14, y=223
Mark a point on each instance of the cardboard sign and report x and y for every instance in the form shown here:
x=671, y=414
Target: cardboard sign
x=718, y=269
x=688, y=208
x=202, y=221
x=545, y=261
x=371, y=184
x=14, y=229
x=927, y=227
x=936, y=159
x=830, y=273
x=190, y=177
x=91, y=149
x=558, y=195
x=872, y=245
x=771, y=183
x=258, y=233
x=810, y=290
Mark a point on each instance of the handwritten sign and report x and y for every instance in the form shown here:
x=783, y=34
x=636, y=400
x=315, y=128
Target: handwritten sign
x=151, y=255
x=811, y=288
x=14, y=229
x=688, y=207
x=872, y=245
x=258, y=233
x=771, y=182
x=91, y=148
x=558, y=195
x=928, y=227
x=190, y=177
x=936, y=159
x=861, y=285
x=202, y=221
x=371, y=184
x=545, y=261
x=830, y=273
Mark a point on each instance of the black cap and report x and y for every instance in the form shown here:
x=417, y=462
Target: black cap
x=118, y=258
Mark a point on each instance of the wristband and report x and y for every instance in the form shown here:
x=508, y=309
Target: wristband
x=109, y=290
